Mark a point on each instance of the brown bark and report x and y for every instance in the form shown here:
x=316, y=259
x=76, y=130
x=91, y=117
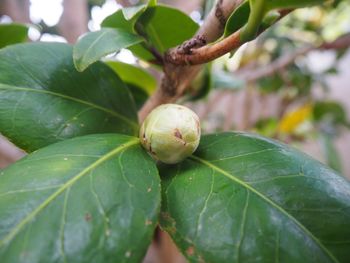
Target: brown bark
x=183, y=5
x=18, y=10
x=74, y=19
x=249, y=75
x=176, y=77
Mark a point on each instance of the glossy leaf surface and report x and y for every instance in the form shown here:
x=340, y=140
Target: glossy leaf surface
x=140, y=83
x=89, y=199
x=237, y=19
x=95, y=45
x=12, y=34
x=244, y=198
x=166, y=27
x=43, y=99
x=137, y=76
x=126, y=19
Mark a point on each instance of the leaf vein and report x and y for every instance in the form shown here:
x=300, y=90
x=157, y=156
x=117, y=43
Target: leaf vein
x=111, y=112
x=13, y=232
x=269, y=201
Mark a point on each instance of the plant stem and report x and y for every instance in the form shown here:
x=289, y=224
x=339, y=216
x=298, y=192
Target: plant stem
x=256, y=16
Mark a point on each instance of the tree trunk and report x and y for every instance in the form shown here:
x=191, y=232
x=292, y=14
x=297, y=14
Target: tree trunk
x=18, y=10
x=74, y=19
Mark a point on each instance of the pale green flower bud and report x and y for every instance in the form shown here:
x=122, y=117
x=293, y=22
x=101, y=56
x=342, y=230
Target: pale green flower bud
x=170, y=133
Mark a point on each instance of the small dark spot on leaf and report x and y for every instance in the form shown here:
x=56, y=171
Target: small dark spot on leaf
x=88, y=217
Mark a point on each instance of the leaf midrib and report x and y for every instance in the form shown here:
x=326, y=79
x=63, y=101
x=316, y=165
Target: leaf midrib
x=266, y=199
x=14, y=231
x=114, y=113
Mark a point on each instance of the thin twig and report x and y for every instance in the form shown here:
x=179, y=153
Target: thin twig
x=249, y=75
x=176, y=77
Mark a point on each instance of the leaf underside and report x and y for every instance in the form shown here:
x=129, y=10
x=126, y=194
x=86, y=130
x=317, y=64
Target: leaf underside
x=89, y=199
x=243, y=198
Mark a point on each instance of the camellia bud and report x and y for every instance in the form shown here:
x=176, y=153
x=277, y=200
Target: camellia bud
x=170, y=133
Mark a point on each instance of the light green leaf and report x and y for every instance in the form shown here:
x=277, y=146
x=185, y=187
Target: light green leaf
x=244, y=198
x=166, y=27
x=89, y=199
x=12, y=34
x=43, y=99
x=95, y=45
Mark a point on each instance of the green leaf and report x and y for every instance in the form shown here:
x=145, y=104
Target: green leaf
x=43, y=99
x=237, y=19
x=330, y=152
x=278, y=4
x=89, y=199
x=12, y=34
x=140, y=83
x=126, y=18
x=95, y=45
x=118, y=20
x=165, y=27
x=244, y=198
x=329, y=111
x=134, y=75
x=201, y=85
x=139, y=95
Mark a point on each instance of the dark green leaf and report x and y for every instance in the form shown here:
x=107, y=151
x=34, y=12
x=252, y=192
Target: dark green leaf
x=244, y=198
x=330, y=152
x=166, y=27
x=125, y=18
x=95, y=45
x=329, y=111
x=118, y=20
x=89, y=199
x=134, y=75
x=201, y=85
x=277, y=4
x=140, y=83
x=139, y=95
x=43, y=99
x=12, y=34
x=237, y=19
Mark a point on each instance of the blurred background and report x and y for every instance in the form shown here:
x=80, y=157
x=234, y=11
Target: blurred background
x=291, y=84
